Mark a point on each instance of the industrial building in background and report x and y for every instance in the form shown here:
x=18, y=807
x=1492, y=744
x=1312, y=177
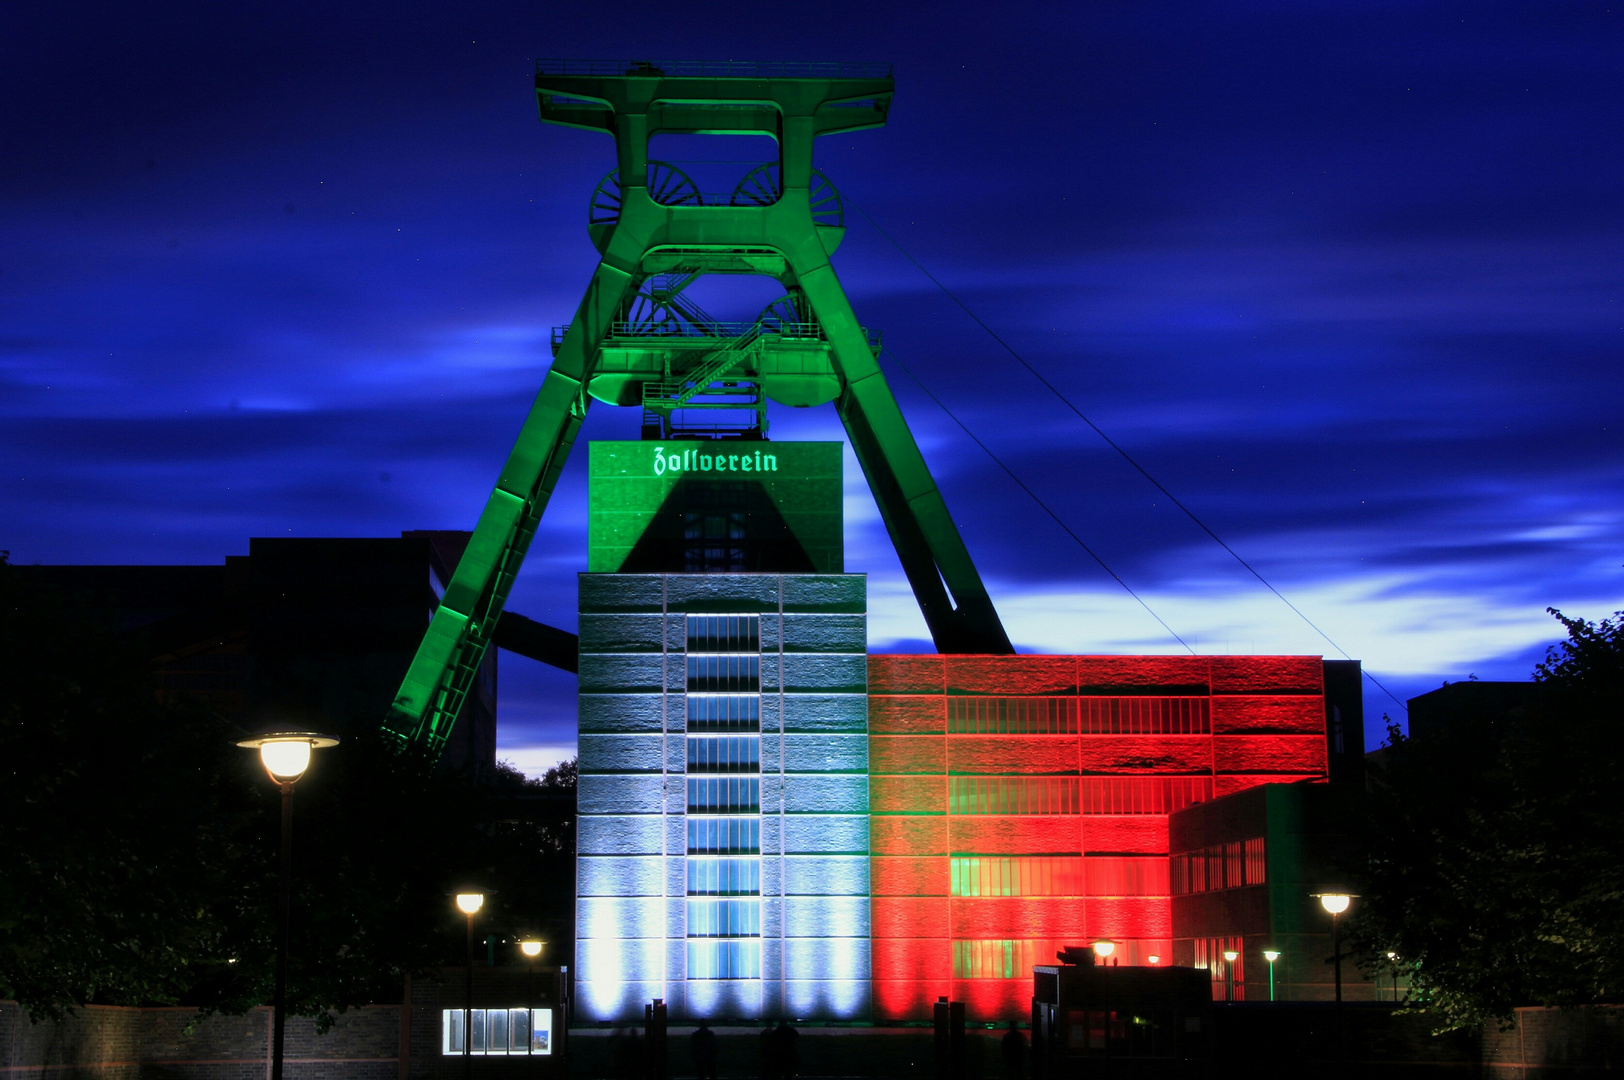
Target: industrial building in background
x=773, y=823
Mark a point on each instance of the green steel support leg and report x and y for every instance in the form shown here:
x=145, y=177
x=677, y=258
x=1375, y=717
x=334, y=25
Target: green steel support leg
x=447, y=661
x=951, y=596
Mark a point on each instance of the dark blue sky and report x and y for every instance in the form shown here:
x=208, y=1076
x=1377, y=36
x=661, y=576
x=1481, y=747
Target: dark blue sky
x=1346, y=278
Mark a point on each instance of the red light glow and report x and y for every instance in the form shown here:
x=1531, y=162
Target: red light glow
x=977, y=835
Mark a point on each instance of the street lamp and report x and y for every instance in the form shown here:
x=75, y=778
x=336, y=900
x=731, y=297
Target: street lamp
x=286, y=756
x=1154, y=959
x=1230, y=955
x=1336, y=903
x=1103, y=948
x=469, y=901
x=1271, y=955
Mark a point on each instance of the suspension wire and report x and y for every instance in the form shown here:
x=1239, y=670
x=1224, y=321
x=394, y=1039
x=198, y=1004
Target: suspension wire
x=1113, y=444
x=895, y=359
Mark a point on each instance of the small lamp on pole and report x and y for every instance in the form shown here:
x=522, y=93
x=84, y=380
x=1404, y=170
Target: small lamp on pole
x=469, y=901
x=1271, y=955
x=1230, y=956
x=1336, y=903
x=286, y=756
x=1103, y=948
x=531, y=948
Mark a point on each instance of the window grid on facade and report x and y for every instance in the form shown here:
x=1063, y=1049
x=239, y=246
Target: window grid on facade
x=1125, y=875
x=723, y=924
x=720, y=958
x=724, y=795
x=723, y=876
x=724, y=634
x=1220, y=866
x=1209, y=954
x=1041, y=795
x=973, y=715
x=1016, y=875
x=1145, y=715
x=1012, y=715
x=1143, y=794
x=1001, y=959
x=724, y=754
x=724, y=673
x=1049, y=795
x=724, y=918
x=724, y=712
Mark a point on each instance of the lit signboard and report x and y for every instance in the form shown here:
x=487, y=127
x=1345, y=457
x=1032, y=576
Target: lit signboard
x=710, y=506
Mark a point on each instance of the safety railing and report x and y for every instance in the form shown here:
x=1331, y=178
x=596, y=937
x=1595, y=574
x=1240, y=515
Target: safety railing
x=719, y=331
x=718, y=69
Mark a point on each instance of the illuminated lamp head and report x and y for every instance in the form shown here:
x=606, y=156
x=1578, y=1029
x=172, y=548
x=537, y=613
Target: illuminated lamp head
x=286, y=754
x=531, y=949
x=1104, y=947
x=470, y=902
x=1154, y=959
x=1271, y=955
x=1335, y=903
x=1230, y=955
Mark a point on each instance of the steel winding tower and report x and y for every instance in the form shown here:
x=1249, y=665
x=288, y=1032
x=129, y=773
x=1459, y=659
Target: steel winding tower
x=637, y=341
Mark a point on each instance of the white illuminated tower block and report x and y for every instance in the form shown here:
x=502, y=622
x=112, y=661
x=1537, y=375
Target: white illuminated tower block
x=723, y=829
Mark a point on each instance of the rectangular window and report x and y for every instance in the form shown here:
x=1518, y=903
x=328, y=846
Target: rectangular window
x=724, y=633
x=724, y=754
x=724, y=673
x=1234, y=865
x=724, y=918
x=1126, y=875
x=1012, y=715
x=723, y=959
x=724, y=712
x=1012, y=795
x=1003, y=959
x=1143, y=794
x=1209, y=954
x=723, y=876
x=505, y=1032
x=971, y=715
x=724, y=795
x=1145, y=715
x=1016, y=875
x=724, y=836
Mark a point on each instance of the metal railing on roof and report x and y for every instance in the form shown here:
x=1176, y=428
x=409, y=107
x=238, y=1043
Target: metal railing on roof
x=677, y=331
x=719, y=69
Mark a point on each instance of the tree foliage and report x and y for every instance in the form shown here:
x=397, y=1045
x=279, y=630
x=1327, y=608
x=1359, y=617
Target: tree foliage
x=140, y=843
x=1495, y=873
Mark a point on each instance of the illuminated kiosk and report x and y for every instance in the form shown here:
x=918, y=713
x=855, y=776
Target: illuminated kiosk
x=723, y=828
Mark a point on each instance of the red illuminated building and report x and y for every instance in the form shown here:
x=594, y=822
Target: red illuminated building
x=1020, y=803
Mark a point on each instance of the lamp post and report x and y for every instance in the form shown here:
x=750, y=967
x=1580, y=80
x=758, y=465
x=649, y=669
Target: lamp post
x=531, y=950
x=469, y=902
x=286, y=756
x=1271, y=955
x=1336, y=903
x=1230, y=955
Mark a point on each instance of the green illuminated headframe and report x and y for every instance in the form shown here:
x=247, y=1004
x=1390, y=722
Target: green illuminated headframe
x=715, y=507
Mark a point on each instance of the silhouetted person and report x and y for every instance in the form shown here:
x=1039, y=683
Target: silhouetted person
x=784, y=1046
x=1014, y=1052
x=769, y=1053
x=702, y=1045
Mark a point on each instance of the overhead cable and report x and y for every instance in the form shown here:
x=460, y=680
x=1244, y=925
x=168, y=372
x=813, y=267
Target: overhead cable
x=1113, y=444
x=895, y=359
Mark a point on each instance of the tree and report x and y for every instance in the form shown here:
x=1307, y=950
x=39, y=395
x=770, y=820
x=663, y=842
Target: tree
x=1494, y=871
x=139, y=842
